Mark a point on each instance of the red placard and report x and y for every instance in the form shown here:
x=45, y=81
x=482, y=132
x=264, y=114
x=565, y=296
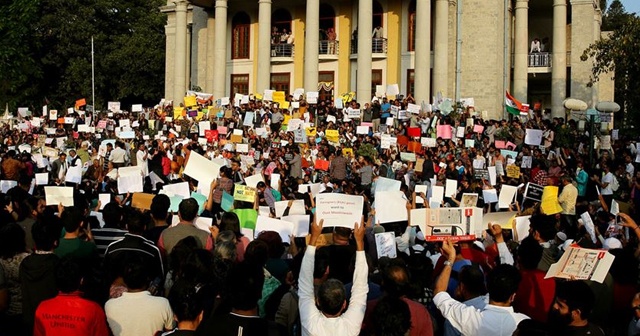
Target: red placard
x=413, y=132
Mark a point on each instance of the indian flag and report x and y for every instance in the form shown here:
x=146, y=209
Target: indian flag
x=513, y=105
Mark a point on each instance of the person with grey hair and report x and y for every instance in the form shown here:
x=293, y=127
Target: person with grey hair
x=225, y=247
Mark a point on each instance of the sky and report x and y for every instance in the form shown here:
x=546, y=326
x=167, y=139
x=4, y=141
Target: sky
x=632, y=6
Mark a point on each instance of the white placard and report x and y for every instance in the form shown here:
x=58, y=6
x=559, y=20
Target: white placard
x=533, y=137
x=393, y=90
x=339, y=209
x=507, y=195
x=490, y=196
x=6, y=185
x=202, y=169
x=42, y=179
x=74, y=175
x=104, y=200
x=390, y=206
x=451, y=188
x=300, y=224
x=275, y=181
x=413, y=108
x=57, y=195
x=178, y=189
x=283, y=228
x=387, y=184
x=312, y=97
x=297, y=208
x=130, y=183
x=420, y=189
x=437, y=194
x=136, y=108
x=522, y=227
x=253, y=180
x=386, y=244
x=363, y=130
x=582, y=264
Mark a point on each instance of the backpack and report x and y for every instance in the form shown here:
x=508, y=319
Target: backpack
x=614, y=183
x=276, y=195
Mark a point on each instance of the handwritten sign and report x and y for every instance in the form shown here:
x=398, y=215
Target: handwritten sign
x=386, y=244
x=513, y=171
x=339, y=210
x=244, y=193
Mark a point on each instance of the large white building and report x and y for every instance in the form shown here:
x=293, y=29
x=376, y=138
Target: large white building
x=464, y=49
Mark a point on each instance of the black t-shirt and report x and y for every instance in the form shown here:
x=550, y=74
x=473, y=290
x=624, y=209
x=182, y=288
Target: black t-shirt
x=233, y=325
x=588, y=330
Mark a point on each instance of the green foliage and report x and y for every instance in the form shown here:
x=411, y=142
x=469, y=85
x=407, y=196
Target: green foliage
x=618, y=57
x=367, y=149
x=46, y=52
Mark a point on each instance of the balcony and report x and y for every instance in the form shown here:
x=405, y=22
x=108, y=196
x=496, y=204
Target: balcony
x=282, y=53
x=539, y=62
x=328, y=50
x=378, y=48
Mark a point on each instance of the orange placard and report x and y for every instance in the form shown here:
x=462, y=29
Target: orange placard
x=60, y=120
x=80, y=103
x=414, y=146
x=402, y=140
x=322, y=165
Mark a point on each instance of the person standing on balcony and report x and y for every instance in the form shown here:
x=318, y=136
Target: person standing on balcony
x=544, y=46
x=331, y=37
x=284, y=49
x=535, y=46
x=377, y=39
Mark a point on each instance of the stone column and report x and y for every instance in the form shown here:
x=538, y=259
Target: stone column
x=597, y=22
x=365, y=29
x=521, y=52
x=311, y=41
x=180, y=65
x=220, y=51
x=441, y=48
x=264, y=46
x=209, y=66
x=422, y=52
x=582, y=12
x=559, y=60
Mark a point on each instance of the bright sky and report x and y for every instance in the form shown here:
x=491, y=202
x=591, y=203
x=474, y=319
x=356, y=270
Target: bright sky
x=632, y=6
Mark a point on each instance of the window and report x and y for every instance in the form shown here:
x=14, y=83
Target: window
x=326, y=78
x=239, y=84
x=327, y=18
x=377, y=15
x=376, y=79
x=411, y=82
x=280, y=82
x=281, y=19
x=241, y=28
x=411, y=44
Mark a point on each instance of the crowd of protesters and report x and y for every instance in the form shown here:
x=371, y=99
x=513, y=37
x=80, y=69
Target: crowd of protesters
x=115, y=269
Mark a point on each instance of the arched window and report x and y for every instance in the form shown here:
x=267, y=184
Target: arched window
x=327, y=17
x=411, y=44
x=240, y=39
x=377, y=15
x=281, y=19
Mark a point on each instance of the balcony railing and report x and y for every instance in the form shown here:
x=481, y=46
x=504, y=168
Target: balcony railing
x=378, y=46
x=282, y=50
x=540, y=60
x=328, y=47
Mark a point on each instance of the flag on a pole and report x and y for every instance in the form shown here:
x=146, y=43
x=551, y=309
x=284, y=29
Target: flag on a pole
x=513, y=105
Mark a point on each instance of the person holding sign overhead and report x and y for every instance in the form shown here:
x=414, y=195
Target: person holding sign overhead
x=326, y=313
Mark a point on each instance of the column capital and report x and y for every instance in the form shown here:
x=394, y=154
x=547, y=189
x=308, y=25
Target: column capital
x=522, y=4
x=265, y=1
x=181, y=4
x=221, y=4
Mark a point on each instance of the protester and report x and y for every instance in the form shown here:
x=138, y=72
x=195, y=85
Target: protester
x=200, y=179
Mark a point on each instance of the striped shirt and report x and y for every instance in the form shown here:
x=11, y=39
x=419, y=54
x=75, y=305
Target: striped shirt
x=118, y=251
x=105, y=236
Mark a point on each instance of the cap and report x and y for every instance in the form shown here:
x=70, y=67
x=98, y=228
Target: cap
x=611, y=243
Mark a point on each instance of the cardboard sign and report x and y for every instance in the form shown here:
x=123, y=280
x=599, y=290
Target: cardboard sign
x=339, y=210
x=244, y=193
x=142, y=201
x=534, y=192
x=513, y=171
x=448, y=223
x=582, y=264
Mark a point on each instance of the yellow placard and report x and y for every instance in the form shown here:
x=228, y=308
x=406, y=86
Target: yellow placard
x=550, y=204
x=286, y=119
x=284, y=105
x=178, y=112
x=311, y=131
x=513, y=171
x=332, y=134
x=244, y=193
x=258, y=96
x=278, y=96
x=348, y=152
x=190, y=101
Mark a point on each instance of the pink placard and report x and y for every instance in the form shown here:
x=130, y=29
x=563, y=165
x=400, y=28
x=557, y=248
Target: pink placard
x=478, y=128
x=511, y=144
x=366, y=124
x=102, y=124
x=501, y=144
x=444, y=132
x=222, y=130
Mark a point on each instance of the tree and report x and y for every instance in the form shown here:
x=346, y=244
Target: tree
x=615, y=16
x=618, y=56
x=48, y=51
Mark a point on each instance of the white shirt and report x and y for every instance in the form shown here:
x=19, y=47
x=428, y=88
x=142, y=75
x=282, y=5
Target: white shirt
x=138, y=314
x=490, y=321
x=608, y=179
x=313, y=321
x=142, y=162
x=118, y=155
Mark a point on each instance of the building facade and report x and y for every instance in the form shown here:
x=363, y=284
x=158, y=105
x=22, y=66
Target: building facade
x=463, y=49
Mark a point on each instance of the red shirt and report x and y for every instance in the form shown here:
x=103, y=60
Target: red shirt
x=70, y=315
x=535, y=295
